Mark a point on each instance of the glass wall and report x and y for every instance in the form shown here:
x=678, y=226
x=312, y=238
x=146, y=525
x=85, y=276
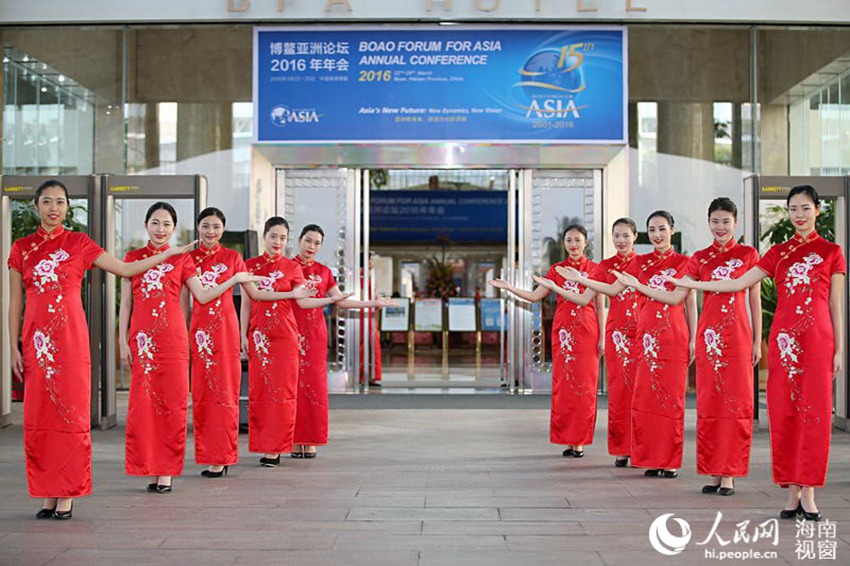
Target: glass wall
x=708, y=106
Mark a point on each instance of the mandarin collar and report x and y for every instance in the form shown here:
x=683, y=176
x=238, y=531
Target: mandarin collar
x=303, y=261
x=206, y=252
x=52, y=235
x=271, y=258
x=628, y=256
x=154, y=250
x=575, y=262
x=810, y=238
x=664, y=255
x=724, y=247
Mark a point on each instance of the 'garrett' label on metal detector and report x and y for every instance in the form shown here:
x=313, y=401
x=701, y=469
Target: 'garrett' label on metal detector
x=123, y=189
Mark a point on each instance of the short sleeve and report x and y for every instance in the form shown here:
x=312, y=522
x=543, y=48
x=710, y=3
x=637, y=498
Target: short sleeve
x=330, y=280
x=692, y=268
x=297, y=275
x=89, y=251
x=16, y=258
x=839, y=264
x=769, y=261
x=188, y=270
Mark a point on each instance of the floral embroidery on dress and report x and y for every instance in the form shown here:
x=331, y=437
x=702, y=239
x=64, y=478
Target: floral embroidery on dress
x=566, y=340
x=788, y=347
x=152, y=279
x=621, y=343
x=45, y=270
x=204, y=343
x=572, y=286
x=261, y=345
x=798, y=274
x=657, y=280
x=209, y=278
x=267, y=284
x=723, y=272
x=43, y=346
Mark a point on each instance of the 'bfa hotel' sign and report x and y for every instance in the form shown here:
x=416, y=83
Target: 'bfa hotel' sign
x=447, y=6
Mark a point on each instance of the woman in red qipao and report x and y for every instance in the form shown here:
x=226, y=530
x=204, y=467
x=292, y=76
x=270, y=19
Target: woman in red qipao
x=805, y=352
x=729, y=346
x=270, y=340
x=50, y=264
x=214, y=347
x=159, y=355
x=577, y=340
x=311, y=416
x=620, y=345
x=666, y=334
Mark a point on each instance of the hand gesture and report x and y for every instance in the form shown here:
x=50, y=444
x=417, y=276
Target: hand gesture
x=125, y=353
x=344, y=296
x=756, y=353
x=170, y=252
x=568, y=273
x=17, y=363
x=600, y=346
x=244, y=346
x=382, y=302
x=499, y=284
x=543, y=282
x=626, y=279
x=302, y=292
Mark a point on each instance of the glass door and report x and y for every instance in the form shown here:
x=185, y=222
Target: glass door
x=548, y=201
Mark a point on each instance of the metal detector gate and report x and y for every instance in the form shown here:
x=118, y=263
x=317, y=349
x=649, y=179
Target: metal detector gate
x=761, y=192
x=16, y=191
x=125, y=200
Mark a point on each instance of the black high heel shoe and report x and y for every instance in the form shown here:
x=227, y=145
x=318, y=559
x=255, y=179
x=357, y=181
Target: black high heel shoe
x=270, y=462
x=791, y=513
x=210, y=474
x=652, y=473
x=710, y=489
x=45, y=513
x=727, y=491
x=568, y=452
x=159, y=488
x=621, y=462
x=816, y=516
x=578, y=453
x=669, y=474
x=62, y=515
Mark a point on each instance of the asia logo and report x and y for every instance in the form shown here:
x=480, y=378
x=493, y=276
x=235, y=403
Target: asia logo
x=551, y=79
x=282, y=115
x=666, y=542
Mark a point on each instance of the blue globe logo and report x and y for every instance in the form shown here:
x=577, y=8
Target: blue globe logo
x=544, y=74
x=279, y=115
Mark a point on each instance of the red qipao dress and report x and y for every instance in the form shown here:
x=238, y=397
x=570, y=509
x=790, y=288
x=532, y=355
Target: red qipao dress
x=311, y=417
x=800, y=352
x=57, y=366
x=273, y=359
x=575, y=362
x=724, y=363
x=216, y=366
x=658, y=399
x=159, y=377
x=620, y=354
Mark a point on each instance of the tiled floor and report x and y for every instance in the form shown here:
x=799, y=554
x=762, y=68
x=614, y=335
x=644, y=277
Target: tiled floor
x=411, y=486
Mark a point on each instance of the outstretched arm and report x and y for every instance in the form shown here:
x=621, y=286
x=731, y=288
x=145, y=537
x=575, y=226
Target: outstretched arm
x=204, y=295
x=244, y=321
x=675, y=297
x=344, y=301
x=130, y=268
x=255, y=294
x=124, y=312
x=530, y=296
x=748, y=279
x=572, y=274
x=582, y=299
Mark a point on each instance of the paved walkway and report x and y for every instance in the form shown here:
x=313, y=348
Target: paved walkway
x=398, y=487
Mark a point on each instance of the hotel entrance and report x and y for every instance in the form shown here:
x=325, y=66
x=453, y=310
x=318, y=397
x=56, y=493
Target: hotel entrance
x=432, y=239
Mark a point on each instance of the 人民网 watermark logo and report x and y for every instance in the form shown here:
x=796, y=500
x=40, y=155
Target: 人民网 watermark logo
x=666, y=542
x=282, y=115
